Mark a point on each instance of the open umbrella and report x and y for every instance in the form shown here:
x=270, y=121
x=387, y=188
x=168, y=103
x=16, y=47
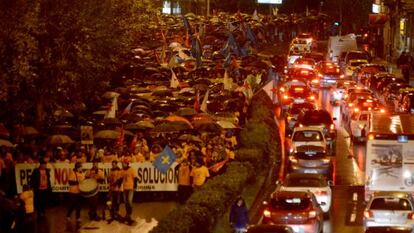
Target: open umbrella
x=3, y=131
x=29, y=131
x=111, y=134
x=226, y=125
x=5, y=143
x=62, y=113
x=59, y=139
x=207, y=126
x=189, y=137
x=171, y=126
x=186, y=112
x=110, y=94
x=202, y=117
x=175, y=118
x=140, y=125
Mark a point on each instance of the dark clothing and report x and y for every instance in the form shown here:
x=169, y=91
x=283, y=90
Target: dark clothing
x=239, y=216
x=40, y=195
x=184, y=192
x=74, y=203
x=116, y=201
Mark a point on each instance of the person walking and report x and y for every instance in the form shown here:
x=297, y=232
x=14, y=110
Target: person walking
x=40, y=182
x=403, y=62
x=239, y=216
x=75, y=177
x=129, y=177
x=29, y=219
x=184, y=181
x=115, y=189
x=94, y=201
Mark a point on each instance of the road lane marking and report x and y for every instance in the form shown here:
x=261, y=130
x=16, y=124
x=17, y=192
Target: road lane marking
x=355, y=196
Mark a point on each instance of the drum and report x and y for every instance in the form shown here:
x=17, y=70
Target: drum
x=88, y=187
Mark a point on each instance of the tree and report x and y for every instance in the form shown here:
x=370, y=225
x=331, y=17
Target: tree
x=62, y=53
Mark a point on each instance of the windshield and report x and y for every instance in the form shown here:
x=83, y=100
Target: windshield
x=290, y=203
x=297, y=108
x=357, y=63
x=307, y=136
x=390, y=204
x=304, y=182
x=357, y=56
x=317, y=118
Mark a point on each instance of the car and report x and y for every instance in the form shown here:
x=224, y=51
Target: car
x=304, y=63
x=365, y=72
x=293, y=54
x=315, y=183
x=391, y=92
x=364, y=104
x=358, y=125
x=389, y=230
x=338, y=93
x=389, y=209
x=351, y=95
x=373, y=82
x=406, y=103
x=317, y=57
x=292, y=114
x=352, y=65
x=306, y=74
x=329, y=73
x=323, y=120
x=385, y=81
x=309, y=136
x=311, y=160
x=297, y=93
x=306, y=36
x=267, y=228
x=357, y=55
x=297, y=209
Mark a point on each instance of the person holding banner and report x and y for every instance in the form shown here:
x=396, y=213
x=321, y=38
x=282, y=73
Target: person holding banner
x=75, y=177
x=115, y=189
x=129, y=182
x=98, y=175
x=40, y=183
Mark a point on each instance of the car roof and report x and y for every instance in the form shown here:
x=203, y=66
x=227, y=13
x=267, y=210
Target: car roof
x=268, y=228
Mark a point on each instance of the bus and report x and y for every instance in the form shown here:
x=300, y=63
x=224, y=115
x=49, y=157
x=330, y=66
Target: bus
x=389, y=163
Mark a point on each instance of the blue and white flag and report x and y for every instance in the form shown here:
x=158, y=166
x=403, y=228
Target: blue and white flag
x=165, y=159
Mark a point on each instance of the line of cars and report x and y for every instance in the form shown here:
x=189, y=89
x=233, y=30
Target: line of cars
x=302, y=200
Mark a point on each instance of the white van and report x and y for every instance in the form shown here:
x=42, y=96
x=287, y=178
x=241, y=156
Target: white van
x=340, y=44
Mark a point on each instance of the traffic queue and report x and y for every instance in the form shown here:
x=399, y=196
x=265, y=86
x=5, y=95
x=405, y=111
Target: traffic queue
x=375, y=108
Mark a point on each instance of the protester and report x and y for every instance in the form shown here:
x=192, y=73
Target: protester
x=75, y=177
x=115, y=189
x=29, y=220
x=94, y=201
x=200, y=174
x=128, y=181
x=184, y=181
x=40, y=182
x=239, y=216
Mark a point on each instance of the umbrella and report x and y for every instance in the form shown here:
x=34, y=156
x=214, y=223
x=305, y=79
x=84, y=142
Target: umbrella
x=171, y=126
x=162, y=93
x=29, y=131
x=140, y=125
x=207, y=126
x=3, y=131
x=62, y=113
x=6, y=143
x=186, y=112
x=226, y=124
x=202, y=117
x=187, y=90
x=110, y=94
x=175, y=118
x=189, y=137
x=111, y=134
x=59, y=139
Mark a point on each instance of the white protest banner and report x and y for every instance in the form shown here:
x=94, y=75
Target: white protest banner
x=149, y=178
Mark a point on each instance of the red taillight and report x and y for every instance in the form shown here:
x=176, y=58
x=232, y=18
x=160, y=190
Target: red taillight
x=266, y=213
x=312, y=97
x=332, y=127
x=410, y=216
x=321, y=193
x=368, y=214
x=312, y=214
x=285, y=97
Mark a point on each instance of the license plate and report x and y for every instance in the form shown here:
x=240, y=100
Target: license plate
x=299, y=101
x=330, y=81
x=311, y=171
